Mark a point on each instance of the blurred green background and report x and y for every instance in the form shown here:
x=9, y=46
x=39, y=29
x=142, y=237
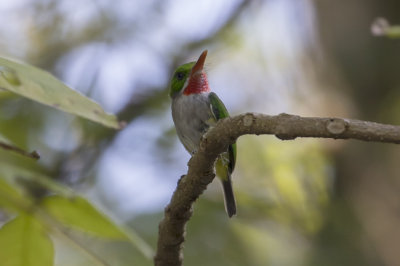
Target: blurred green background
x=301, y=202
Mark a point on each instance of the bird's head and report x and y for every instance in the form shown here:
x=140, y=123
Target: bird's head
x=190, y=78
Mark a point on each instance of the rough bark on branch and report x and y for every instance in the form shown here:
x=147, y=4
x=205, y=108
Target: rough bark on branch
x=200, y=173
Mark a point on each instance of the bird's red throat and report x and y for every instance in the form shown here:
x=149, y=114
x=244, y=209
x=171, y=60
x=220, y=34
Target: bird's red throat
x=197, y=84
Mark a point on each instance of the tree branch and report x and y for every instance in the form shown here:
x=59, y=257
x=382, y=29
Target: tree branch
x=201, y=166
x=10, y=147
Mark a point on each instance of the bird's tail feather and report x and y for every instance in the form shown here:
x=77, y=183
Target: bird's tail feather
x=230, y=203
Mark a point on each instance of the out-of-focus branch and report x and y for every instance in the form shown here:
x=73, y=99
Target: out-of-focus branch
x=33, y=154
x=200, y=173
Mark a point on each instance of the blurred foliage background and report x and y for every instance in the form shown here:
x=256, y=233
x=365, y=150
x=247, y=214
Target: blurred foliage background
x=301, y=202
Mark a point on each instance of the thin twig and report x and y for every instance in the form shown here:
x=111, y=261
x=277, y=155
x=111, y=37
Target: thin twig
x=33, y=154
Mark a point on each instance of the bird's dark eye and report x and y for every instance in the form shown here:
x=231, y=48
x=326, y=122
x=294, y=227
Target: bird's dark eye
x=180, y=75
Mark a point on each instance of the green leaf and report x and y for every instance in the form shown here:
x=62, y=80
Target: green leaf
x=43, y=87
x=10, y=198
x=24, y=242
x=4, y=139
x=10, y=75
x=78, y=213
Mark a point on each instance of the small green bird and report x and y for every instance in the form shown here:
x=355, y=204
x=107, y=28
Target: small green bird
x=194, y=110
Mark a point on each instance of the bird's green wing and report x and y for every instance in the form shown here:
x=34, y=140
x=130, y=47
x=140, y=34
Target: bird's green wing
x=219, y=111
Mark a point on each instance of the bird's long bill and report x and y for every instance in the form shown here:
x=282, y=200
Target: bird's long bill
x=198, y=67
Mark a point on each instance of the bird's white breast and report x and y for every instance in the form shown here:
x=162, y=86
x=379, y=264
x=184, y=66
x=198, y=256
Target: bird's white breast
x=191, y=115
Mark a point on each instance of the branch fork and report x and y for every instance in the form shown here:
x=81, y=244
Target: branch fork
x=201, y=166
